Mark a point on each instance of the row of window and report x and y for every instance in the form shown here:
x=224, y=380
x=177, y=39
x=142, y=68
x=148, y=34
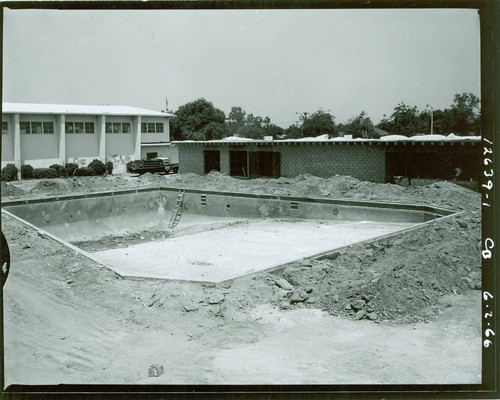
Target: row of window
x=79, y=127
x=152, y=127
x=34, y=128
x=29, y=127
x=118, y=127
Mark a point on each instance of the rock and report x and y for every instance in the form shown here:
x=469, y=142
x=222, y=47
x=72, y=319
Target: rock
x=336, y=298
x=360, y=314
x=299, y=296
x=216, y=298
x=348, y=307
x=311, y=300
x=69, y=282
x=462, y=224
x=283, y=283
x=309, y=289
x=188, y=307
x=373, y=316
x=26, y=246
x=226, y=284
x=292, y=274
x=285, y=304
x=306, y=263
x=358, y=304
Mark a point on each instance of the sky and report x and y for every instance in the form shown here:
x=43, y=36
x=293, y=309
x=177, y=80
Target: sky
x=275, y=63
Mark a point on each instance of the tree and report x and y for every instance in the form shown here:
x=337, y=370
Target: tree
x=235, y=119
x=360, y=124
x=406, y=120
x=463, y=116
x=273, y=130
x=319, y=123
x=199, y=120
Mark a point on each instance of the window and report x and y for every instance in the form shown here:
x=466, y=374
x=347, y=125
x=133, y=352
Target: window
x=5, y=127
x=48, y=127
x=69, y=127
x=79, y=127
x=89, y=127
x=36, y=127
x=25, y=127
x=118, y=127
x=149, y=156
x=152, y=127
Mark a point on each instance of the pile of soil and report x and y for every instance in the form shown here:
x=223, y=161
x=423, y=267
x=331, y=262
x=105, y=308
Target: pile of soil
x=9, y=190
x=400, y=279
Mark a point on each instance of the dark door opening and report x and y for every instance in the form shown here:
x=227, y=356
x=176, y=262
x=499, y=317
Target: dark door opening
x=212, y=160
x=150, y=156
x=255, y=164
x=238, y=163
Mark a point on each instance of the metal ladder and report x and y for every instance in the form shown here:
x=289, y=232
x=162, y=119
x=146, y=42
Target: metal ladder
x=177, y=212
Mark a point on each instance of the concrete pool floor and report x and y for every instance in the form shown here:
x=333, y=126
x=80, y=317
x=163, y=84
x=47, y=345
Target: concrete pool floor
x=239, y=249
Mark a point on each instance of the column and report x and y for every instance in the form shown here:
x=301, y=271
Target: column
x=61, y=129
x=17, y=145
x=138, y=137
x=101, y=133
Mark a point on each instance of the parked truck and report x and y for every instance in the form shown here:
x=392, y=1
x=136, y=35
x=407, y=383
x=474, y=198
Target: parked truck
x=153, y=165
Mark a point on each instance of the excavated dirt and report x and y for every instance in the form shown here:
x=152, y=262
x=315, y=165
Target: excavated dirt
x=415, y=281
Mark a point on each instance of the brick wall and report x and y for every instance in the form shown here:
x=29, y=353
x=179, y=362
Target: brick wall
x=191, y=159
x=319, y=159
x=325, y=160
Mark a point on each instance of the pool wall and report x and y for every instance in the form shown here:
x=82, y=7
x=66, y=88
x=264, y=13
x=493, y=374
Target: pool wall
x=83, y=217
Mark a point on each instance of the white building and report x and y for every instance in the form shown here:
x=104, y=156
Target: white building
x=44, y=134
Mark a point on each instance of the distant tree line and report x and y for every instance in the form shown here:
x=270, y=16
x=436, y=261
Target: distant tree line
x=201, y=120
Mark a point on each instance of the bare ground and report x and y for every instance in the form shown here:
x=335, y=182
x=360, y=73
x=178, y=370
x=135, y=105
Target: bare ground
x=402, y=311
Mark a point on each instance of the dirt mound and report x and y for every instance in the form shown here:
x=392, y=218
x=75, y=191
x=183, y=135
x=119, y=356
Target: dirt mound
x=9, y=190
x=400, y=279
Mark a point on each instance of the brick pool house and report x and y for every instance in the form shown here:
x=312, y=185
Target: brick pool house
x=424, y=157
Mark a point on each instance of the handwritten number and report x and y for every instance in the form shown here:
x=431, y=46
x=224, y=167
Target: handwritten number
x=486, y=295
x=487, y=151
x=488, y=186
x=489, y=332
x=488, y=175
x=487, y=343
x=488, y=314
x=487, y=161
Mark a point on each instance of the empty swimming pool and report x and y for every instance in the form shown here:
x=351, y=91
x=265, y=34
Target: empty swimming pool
x=219, y=236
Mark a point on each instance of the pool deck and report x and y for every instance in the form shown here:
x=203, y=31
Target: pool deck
x=235, y=250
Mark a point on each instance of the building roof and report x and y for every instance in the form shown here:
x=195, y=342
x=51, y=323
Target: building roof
x=31, y=108
x=324, y=139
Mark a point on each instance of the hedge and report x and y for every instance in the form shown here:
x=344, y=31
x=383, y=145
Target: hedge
x=26, y=171
x=61, y=171
x=109, y=166
x=70, y=169
x=45, y=173
x=9, y=173
x=84, y=171
x=98, y=166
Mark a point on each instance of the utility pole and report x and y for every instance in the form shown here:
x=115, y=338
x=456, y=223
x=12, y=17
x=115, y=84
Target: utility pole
x=432, y=118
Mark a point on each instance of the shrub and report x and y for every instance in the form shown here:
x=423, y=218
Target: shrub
x=45, y=173
x=9, y=173
x=61, y=171
x=26, y=171
x=109, y=166
x=84, y=171
x=71, y=168
x=98, y=166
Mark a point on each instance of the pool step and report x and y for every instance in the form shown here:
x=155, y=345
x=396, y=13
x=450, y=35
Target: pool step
x=177, y=212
